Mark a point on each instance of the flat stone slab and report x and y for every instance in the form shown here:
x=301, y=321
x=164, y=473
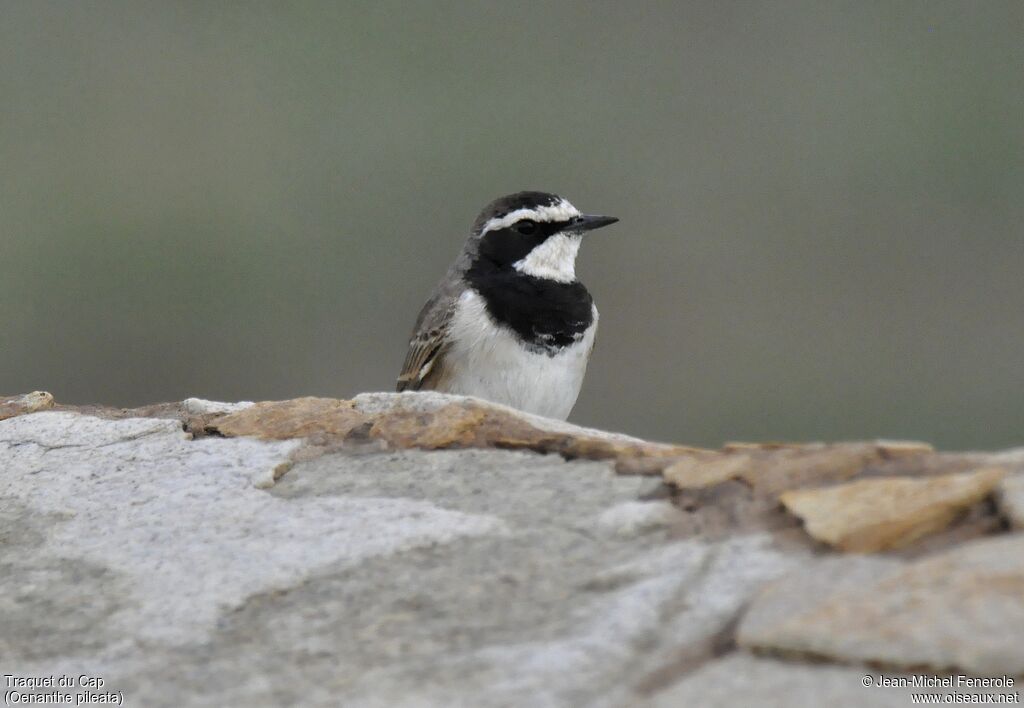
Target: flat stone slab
x=426, y=421
x=961, y=609
x=882, y=513
x=139, y=499
x=428, y=550
x=164, y=565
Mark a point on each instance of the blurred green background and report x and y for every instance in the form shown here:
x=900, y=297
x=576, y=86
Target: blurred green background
x=821, y=203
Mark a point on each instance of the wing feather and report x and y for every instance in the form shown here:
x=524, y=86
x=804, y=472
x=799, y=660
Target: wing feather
x=423, y=367
x=428, y=344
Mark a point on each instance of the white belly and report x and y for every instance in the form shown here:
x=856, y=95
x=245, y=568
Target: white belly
x=486, y=360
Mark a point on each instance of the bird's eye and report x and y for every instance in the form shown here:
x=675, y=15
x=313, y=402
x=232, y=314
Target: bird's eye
x=526, y=227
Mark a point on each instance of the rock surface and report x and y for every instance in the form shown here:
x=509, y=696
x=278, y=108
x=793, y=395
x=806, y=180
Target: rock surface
x=11, y=406
x=417, y=550
x=1011, y=499
x=427, y=421
x=888, y=512
x=961, y=609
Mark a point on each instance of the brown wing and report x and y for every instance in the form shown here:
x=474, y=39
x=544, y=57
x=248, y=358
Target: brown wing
x=427, y=346
x=423, y=355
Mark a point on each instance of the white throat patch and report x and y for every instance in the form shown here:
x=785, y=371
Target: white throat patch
x=555, y=259
x=562, y=211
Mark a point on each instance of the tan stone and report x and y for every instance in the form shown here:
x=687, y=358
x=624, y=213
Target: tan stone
x=11, y=406
x=465, y=423
x=773, y=468
x=707, y=470
x=817, y=464
x=901, y=448
x=296, y=418
x=888, y=512
x=460, y=425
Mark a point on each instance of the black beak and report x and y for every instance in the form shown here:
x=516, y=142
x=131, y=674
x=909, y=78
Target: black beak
x=589, y=222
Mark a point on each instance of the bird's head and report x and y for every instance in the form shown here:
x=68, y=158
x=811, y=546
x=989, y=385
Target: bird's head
x=535, y=233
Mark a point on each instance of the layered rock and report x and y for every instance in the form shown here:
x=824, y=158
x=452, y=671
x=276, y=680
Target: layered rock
x=421, y=549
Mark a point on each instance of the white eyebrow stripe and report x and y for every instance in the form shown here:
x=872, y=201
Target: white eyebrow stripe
x=563, y=211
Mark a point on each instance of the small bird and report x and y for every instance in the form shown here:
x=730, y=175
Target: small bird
x=509, y=322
